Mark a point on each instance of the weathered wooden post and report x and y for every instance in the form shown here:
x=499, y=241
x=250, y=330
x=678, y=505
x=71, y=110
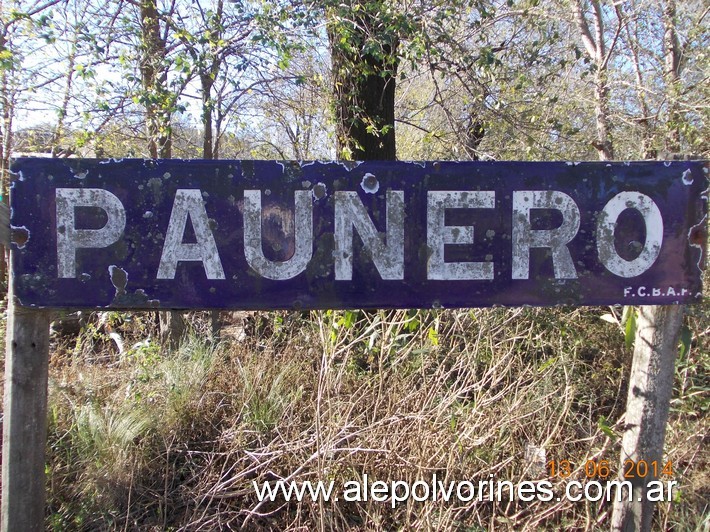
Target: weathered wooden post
x=650, y=389
x=25, y=418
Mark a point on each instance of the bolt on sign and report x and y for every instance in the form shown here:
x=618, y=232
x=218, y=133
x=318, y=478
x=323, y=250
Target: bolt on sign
x=314, y=235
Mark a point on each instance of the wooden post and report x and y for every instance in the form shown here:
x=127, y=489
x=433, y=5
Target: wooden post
x=25, y=418
x=648, y=402
x=4, y=238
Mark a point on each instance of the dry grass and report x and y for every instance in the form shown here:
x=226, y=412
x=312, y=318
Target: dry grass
x=149, y=440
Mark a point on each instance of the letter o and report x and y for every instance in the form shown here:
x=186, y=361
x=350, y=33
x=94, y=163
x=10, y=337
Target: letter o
x=460, y=493
x=587, y=492
x=425, y=490
x=606, y=227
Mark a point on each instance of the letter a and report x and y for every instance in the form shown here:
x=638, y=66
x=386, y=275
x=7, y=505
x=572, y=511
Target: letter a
x=188, y=204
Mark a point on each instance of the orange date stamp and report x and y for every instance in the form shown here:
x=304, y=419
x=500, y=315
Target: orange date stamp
x=600, y=469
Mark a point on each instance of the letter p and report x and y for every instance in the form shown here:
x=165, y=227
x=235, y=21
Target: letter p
x=399, y=496
x=69, y=238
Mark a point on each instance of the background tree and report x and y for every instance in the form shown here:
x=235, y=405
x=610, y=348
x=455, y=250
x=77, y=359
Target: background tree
x=364, y=37
x=685, y=34
x=160, y=103
x=292, y=110
x=24, y=56
x=599, y=49
x=157, y=98
x=216, y=47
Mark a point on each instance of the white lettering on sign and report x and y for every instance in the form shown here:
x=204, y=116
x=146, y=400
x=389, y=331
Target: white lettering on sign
x=385, y=249
x=188, y=204
x=606, y=227
x=643, y=291
x=525, y=237
x=439, y=235
x=69, y=238
x=303, y=235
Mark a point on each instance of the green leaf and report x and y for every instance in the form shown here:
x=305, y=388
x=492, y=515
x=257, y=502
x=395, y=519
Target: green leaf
x=349, y=319
x=630, y=329
x=547, y=364
x=433, y=336
x=604, y=426
x=686, y=337
x=6, y=59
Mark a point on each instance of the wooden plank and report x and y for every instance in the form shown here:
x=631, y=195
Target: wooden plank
x=648, y=403
x=4, y=224
x=25, y=419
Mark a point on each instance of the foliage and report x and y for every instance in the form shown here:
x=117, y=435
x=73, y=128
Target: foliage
x=488, y=79
x=174, y=440
x=107, y=421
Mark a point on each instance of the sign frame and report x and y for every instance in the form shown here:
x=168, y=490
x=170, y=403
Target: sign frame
x=257, y=235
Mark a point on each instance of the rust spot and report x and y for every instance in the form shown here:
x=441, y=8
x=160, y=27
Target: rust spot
x=698, y=236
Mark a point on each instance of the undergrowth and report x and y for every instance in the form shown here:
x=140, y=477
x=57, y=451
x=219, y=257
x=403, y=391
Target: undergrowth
x=141, y=438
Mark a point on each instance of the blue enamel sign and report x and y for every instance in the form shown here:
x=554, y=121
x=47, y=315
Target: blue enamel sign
x=175, y=234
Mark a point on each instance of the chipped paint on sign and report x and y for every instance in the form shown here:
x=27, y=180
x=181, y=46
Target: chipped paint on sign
x=370, y=184
x=19, y=236
x=687, y=177
x=295, y=234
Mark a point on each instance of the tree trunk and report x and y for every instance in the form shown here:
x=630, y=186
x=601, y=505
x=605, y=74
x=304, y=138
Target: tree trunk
x=209, y=152
x=672, y=58
x=364, y=80
x=208, y=75
x=158, y=110
x=648, y=150
x=172, y=327
x=154, y=77
x=207, y=81
x=8, y=102
x=59, y=129
x=647, y=406
x=218, y=135
x=604, y=146
x=650, y=390
x=596, y=49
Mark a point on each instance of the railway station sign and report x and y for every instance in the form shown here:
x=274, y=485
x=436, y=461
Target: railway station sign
x=197, y=234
